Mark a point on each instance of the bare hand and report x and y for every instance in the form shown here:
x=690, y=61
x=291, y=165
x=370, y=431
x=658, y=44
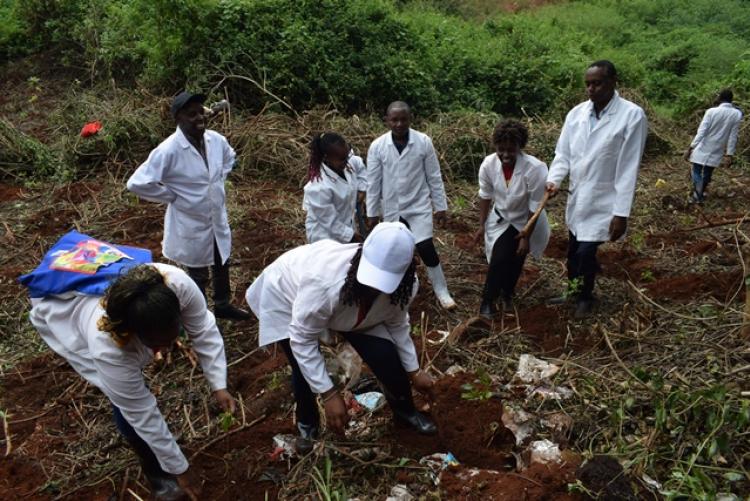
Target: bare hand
x=686, y=155
x=372, y=222
x=479, y=236
x=727, y=160
x=523, y=246
x=189, y=485
x=225, y=401
x=552, y=189
x=361, y=196
x=424, y=384
x=441, y=218
x=336, y=415
x=617, y=227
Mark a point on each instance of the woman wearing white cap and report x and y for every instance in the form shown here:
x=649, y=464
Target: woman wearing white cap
x=362, y=291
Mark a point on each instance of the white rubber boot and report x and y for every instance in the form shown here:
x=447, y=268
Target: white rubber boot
x=439, y=285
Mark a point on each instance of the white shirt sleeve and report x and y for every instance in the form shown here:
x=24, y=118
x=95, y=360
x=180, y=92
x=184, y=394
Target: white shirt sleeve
x=125, y=387
x=399, y=327
x=536, y=186
x=560, y=167
x=702, y=129
x=229, y=157
x=374, y=181
x=434, y=178
x=486, y=187
x=628, y=163
x=311, y=313
x=732, y=143
x=200, y=325
x=361, y=172
x=146, y=181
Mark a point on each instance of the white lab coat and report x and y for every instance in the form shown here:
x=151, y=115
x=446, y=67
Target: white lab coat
x=356, y=163
x=68, y=324
x=297, y=298
x=514, y=201
x=406, y=185
x=176, y=174
x=602, y=161
x=330, y=203
x=717, y=133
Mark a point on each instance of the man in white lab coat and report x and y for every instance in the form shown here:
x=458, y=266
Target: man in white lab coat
x=600, y=150
x=404, y=184
x=716, y=138
x=187, y=172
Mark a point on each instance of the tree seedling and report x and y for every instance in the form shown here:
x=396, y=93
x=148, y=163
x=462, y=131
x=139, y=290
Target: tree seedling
x=480, y=390
x=226, y=421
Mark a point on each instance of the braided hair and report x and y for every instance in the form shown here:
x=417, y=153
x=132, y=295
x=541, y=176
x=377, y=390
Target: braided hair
x=352, y=291
x=139, y=301
x=512, y=131
x=320, y=146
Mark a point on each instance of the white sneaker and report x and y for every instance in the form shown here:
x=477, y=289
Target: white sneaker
x=439, y=285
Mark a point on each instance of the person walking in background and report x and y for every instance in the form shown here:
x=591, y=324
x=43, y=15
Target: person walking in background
x=714, y=144
x=599, y=149
x=512, y=184
x=330, y=195
x=404, y=184
x=360, y=169
x=187, y=172
x=362, y=291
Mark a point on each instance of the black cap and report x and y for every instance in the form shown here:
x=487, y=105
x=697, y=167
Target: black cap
x=182, y=99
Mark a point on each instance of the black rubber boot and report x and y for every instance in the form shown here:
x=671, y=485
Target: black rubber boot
x=306, y=439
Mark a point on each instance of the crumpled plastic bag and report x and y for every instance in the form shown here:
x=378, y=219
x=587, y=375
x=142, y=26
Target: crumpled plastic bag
x=437, y=463
x=372, y=400
x=519, y=422
x=399, y=492
x=533, y=370
x=544, y=452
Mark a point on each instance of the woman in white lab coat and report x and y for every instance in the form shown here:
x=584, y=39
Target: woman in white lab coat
x=330, y=197
x=109, y=340
x=361, y=291
x=512, y=184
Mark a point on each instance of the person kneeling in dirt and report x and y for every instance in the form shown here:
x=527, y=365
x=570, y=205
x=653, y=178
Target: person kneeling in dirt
x=514, y=183
x=330, y=198
x=362, y=291
x=187, y=172
x=108, y=340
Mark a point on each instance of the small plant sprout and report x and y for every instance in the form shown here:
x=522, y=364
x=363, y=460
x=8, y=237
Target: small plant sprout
x=226, y=421
x=480, y=390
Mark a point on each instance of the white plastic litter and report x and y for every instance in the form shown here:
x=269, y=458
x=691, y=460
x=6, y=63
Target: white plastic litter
x=442, y=336
x=454, y=369
x=437, y=463
x=399, y=492
x=556, y=393
x=654, y=484
x=533, y=370
x=372, y=400
x=544, y=452
x=285, y=442
x=519, y=422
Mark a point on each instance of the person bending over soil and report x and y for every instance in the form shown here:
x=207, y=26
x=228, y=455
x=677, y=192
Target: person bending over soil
x=361, y=291
x=513, y=183
x=109, y=340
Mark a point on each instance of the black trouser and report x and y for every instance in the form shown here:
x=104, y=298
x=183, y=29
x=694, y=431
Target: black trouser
x=582, y=264
x=149, y=463
x=425, y=249
x=505, y=267
x=382, y=358
x=222, y=288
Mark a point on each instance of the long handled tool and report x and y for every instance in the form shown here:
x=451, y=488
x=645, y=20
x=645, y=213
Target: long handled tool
x=532, y=220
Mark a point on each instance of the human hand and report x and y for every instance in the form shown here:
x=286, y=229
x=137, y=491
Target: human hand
x=727, y=160
x=441, y=218
x=479, y=236
x=372, y=222
x=225, y=400
x=336, y=415
x=617, y=227
x=523, y=246
x=686, y=155
x=189, y=485
x=552, y=189
x=423, y=383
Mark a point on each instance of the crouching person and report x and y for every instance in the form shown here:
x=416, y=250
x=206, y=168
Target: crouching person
x=362, y=291
x=109, y=340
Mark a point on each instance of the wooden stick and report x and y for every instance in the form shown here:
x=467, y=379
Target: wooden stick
x=532, y=220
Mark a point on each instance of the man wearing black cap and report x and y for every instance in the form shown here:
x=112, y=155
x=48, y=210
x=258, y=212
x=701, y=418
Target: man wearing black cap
x=187, y=172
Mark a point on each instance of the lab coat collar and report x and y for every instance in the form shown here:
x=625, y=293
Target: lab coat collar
x=727, y=105
x=185, y=143
x=332, y=174
x=606, y=114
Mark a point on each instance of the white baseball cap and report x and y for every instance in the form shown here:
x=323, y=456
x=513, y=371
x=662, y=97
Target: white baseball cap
x=386, y=255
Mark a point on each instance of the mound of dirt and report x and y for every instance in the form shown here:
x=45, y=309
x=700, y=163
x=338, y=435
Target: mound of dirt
x=691, y=286
x=604, y=476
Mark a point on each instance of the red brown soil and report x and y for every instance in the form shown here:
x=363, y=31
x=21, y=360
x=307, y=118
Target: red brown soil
x=20, y=479
x=546, y=327
x=465, y=428
x=77, y=192
x=557, y=247
x=8, y=192
x=626, y=264
x=691, y=286
x=53, y=221
x=539, y=482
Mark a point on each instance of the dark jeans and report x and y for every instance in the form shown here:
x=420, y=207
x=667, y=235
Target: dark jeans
x=382, y=358
x=425, y=249
x=149, y=463
x=582, y=264
x=222, y=288
x=505, y=267
x=701, y=177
